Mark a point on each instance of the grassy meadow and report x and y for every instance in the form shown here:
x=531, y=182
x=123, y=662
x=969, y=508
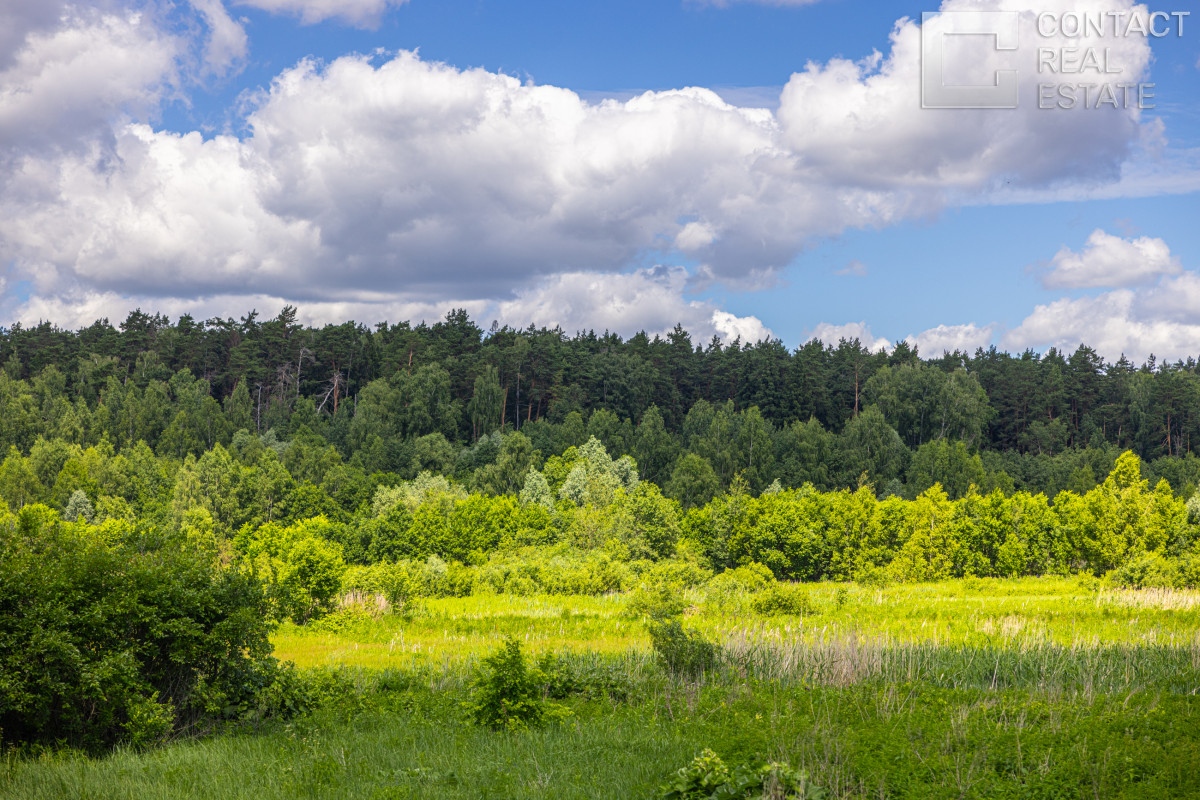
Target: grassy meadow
x=1030, y=688
x=974, y=613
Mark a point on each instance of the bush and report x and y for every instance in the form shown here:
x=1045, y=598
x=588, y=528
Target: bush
x=301, y=566
x=554, y=570
x=783, y=598
x=1193, y=509
x=507, y=694
x=657, y=603
x=677, y=575
x=707, y=778
x=873, y=577
x=1088, y=582
x=406, y=580
x=103, y=644
x=734, y=582
x=681, y=653
x=584, y=677
x=1151, y=571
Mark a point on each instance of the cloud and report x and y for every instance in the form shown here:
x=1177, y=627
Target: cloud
x=79, y=309
x=951, y=338
x=1155, y=310
x=379, y=181
x=832, y=334
x=861, y=122
x=1110, y=261
x=66, y=85
x=1111, y=323
x=853, y=267
x=20, y=18
x=359, y=13
x=227, y=43
x=650, y=300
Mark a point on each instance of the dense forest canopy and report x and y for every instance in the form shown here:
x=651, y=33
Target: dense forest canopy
x=403, y=398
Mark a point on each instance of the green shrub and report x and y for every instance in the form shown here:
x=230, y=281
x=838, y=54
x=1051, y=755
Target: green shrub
x=1088, y=582
x=589, y=678
x=102, y=644
x=658, y=603
x=783, y=598
x=676, y=574
x=872, y=576
x=556, y=570
x=1189, y=571
x=731, y=586
x=682, y=653
x=1151, y=571
x=707, y=778
x=367, y=580
x=507, y=694
x=301, y=566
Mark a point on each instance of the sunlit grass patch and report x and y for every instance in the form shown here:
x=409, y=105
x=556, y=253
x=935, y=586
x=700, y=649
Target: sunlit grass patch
x=1024, y=613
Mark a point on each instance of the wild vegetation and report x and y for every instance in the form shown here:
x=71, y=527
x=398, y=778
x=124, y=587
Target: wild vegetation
x=379, y=587
x=402, y=398
x=971, y=687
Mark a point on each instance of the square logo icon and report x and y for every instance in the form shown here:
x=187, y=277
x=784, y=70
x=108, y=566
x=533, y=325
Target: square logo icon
x=940, y=90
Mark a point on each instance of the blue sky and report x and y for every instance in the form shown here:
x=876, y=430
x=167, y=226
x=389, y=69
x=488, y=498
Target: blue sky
x=382, y=160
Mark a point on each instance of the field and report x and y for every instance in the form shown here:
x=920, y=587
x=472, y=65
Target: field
x=1037, y=688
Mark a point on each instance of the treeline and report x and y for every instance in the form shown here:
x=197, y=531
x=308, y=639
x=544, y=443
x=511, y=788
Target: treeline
x=401, y=398
x=137, y=590
x=276, y=504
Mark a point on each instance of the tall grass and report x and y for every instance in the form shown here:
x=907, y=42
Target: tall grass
x=1031, y=688
x=844, y=658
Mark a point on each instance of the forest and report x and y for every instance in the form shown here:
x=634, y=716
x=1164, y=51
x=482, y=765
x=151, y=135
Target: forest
x=222, y=542
x=405, y=398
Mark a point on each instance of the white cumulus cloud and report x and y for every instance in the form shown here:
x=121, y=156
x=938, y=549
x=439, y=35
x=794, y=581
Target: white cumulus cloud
x=832, y=334
x=227, y=43
x=950, y=338
x=389, y=181
x=1155, y=311
x=69, y=83
x=651, y=300
x=861, y=122
x=1110, y=261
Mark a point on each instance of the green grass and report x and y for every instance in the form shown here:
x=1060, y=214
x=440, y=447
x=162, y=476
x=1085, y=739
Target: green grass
x=870, y=740
x=978, y=613
x=990, y=689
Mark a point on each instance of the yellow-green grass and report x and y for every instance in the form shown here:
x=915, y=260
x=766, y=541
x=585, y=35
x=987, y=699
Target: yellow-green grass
x=456, y=629
x=971, y=612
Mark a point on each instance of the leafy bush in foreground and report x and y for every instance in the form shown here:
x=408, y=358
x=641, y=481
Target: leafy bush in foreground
x=105, y=643
x=506, y=693
x=707, y=778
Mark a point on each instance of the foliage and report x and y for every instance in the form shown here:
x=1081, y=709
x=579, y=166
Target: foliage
x=658, y=603
x=750, y=577
x=595, y=478
x=707, y=778
x=300, y=565
x=106, y=642
x=506, y=693
x=682, y=653
x=783, y=598
x=78, y=507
